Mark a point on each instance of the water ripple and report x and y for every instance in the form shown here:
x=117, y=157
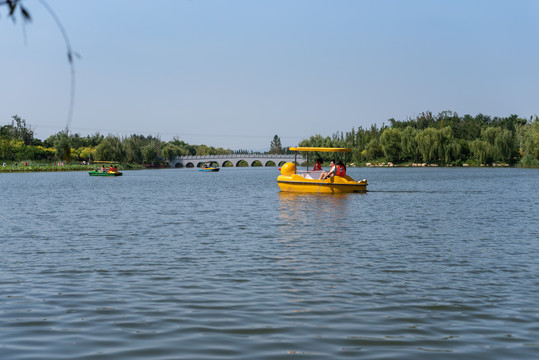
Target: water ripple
x=432, y=263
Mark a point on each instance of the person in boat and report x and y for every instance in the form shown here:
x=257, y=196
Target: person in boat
x=102, y=168
x=340, y=170
x=115, y=169
x=330, y=173
x=111, y=169
x=318, y=165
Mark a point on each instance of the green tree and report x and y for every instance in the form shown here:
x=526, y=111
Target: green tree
x=504, y=145
x=425, y=120
x=133, y=149
x=63, y=147
x=390, y=141
x=22, y=131
x=184, y=148
x=373, y=150
x=170, y=151
x=149, y=154
x=409, y=144
x=481, y=151
x=275, y=145
x=6, y=151
x=500, y=141
x=110, y=149
x=203, y=150
x=528, y=141
x=427, y=144
x=85, y=153
x=448, y=148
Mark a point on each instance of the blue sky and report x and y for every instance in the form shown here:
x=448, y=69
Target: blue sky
x=235, y=73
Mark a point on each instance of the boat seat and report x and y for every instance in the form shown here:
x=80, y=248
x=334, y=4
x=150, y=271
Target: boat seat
x=311, y=175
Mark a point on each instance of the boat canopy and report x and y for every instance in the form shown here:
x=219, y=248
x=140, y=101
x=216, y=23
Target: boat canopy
x=320, y=149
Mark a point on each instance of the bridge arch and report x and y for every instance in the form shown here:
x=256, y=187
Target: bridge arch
x=211, y=163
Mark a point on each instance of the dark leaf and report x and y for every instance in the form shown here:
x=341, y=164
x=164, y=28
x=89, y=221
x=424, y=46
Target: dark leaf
x=12, y=7
x=25, y=14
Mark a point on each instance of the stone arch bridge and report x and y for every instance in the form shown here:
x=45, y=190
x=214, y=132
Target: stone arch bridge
x=233, y=159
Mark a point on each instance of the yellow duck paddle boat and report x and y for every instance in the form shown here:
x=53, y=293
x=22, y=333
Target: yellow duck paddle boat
x=318, y=181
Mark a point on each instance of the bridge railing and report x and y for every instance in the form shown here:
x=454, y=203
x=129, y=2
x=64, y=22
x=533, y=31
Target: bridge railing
x=237, y=156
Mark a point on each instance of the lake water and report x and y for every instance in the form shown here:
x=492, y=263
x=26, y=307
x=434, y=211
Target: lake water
x=431, y=263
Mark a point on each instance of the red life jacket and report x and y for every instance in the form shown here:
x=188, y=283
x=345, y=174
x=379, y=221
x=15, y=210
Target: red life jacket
x=317, y=166
x=341, y=170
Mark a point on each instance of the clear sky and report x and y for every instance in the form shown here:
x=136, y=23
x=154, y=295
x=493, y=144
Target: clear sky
x=235, y=73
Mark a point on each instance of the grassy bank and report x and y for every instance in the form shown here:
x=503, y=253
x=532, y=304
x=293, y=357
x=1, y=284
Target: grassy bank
x=47, y=167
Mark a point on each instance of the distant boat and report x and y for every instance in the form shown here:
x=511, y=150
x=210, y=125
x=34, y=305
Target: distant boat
x=105, y=173
x=310, y=182
x=206, y=167
x=106, y=169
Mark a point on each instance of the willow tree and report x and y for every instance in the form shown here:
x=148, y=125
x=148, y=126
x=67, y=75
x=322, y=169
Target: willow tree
x=409, y=144
x=528, y=140
x=427, y=144
x=504, y=145
x=133, y=149
x=500, y=141
x=448, y=147
x=170, y=151
x=110, y=149
x=390, y=141
x=481, y=151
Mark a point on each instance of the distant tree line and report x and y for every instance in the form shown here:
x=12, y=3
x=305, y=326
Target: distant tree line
x=443, y=139
x=17, y=143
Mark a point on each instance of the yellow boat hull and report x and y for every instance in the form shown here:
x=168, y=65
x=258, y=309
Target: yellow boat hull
x=333, y=185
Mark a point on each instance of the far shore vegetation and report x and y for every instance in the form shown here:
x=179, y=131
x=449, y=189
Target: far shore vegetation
x=446, y=139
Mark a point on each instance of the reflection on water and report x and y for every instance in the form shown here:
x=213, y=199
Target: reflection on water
x=319, y=217
x=325, y=209
x=311, y=229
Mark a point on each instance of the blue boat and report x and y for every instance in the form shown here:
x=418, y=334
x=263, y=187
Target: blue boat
x=206, y=167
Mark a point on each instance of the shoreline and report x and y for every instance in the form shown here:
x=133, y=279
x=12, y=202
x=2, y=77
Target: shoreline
x=70, y=168
x=54, y=168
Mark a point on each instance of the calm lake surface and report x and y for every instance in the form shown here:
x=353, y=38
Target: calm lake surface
x=431, y=263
